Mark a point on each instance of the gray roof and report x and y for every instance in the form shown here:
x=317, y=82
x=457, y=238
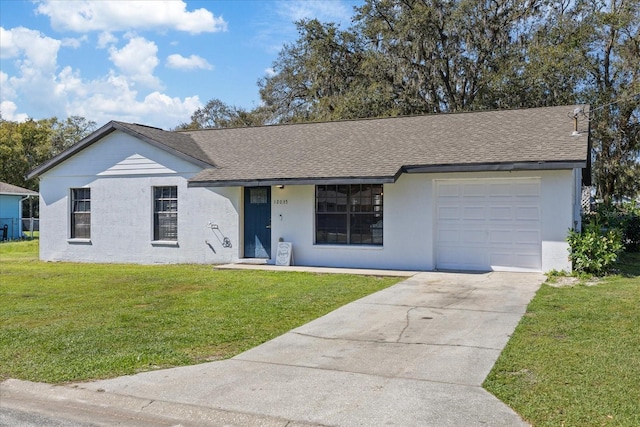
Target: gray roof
x=14, y=190
x=371, y=150
x=381, y=149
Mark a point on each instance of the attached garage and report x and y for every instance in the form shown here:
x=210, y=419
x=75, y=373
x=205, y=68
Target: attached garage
x=488, y=224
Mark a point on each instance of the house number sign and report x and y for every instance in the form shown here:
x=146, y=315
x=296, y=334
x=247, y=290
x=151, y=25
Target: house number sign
x=280, y=202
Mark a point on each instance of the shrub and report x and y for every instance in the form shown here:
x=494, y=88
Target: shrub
x=594, y=250
x=625, y=217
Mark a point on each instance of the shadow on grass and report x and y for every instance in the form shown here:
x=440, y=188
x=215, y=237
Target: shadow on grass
x=629, y=264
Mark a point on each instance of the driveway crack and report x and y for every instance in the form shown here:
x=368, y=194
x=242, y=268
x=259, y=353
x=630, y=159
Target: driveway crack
x=147, y=405
x=407, y=322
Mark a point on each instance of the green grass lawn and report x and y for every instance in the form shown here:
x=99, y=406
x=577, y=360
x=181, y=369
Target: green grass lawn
x=64, y=322
x=574, y=359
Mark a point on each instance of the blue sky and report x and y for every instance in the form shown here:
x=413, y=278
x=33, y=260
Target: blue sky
x=151, y=62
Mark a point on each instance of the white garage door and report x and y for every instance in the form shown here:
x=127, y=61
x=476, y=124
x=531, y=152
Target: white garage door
x=488, y=224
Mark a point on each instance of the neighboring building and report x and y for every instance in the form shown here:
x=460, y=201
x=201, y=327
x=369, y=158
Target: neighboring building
x=494, y=190
x=11, y=197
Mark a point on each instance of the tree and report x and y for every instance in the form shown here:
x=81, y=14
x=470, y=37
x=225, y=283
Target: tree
x=403, y=57
x=217, y=114
x=325, y=75
x=22, y=147
x=590, y=49
x=68, y=132
x=25, y=145
x=446, y=56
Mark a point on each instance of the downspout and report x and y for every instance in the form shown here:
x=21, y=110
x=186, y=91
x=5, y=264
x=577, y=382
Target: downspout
x=28, y=196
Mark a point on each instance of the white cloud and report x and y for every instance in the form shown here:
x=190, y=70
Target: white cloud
x=39, y=86
x=270, y=72
x=191, y=63
x=33, y=49
x=8, y=112
x=74, y=43
x=35, y=59
x=113, y=98
x=105, y=15
x=137, y=59
x=105, y=39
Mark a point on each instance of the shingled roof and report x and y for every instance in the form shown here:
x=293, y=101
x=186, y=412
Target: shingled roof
x=371, y=150
x=381, y=149
x=14, y=190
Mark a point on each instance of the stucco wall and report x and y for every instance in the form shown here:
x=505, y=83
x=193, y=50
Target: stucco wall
x=121, y=172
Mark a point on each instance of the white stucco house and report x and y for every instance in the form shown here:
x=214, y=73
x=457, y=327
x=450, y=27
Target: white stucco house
x=495, y=190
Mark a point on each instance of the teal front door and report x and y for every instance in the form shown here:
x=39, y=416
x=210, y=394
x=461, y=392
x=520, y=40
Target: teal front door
x=257, y=222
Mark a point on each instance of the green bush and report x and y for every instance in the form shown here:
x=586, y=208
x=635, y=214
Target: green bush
x=625, y=217
x=594, y=250
x=631, y=233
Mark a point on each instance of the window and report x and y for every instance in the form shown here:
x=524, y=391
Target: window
x=349, y=214
x=80, y=213
x=165, y=214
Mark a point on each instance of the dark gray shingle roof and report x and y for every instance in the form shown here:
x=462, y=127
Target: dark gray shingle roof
x=383, y=148
x=368, y=150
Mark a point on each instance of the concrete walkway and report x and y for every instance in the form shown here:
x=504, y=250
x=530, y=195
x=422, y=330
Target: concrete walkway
x=414, y=354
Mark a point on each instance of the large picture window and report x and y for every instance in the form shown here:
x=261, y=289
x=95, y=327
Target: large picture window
x=165, y=215
x=349, y=214
x=80, y=213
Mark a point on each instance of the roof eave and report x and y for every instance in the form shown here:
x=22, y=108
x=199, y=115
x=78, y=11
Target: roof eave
x=4, y=193
x=492, y=167
x=476, y=167
x=293, y=181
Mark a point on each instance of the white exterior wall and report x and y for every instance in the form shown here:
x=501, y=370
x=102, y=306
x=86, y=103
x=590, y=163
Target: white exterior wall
x=409, y=222
x=121, y=172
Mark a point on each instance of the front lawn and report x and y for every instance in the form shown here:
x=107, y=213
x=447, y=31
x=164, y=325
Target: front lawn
x=574, y=359
x=66, y=322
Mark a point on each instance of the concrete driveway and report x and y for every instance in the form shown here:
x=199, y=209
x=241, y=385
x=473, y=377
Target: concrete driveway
x=414, y=354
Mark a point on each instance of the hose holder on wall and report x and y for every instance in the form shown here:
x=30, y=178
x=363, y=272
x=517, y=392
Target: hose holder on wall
x=224, y=241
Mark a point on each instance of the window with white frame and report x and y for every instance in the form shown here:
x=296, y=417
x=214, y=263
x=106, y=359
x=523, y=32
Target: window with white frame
x=349, y=214
x=165, y=214
x=80, y=213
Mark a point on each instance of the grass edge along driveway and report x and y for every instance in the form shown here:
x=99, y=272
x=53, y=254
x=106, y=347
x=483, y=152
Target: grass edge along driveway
x=574, y=359
x=66, y=322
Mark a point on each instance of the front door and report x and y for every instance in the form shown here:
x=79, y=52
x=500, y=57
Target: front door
x=257, y=222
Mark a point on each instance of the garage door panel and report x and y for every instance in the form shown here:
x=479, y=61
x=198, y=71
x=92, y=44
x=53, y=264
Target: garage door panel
x=500, y=237
x=474, y=236
x=499, y=189
x=473, y=190
x=450, y=257
x=528, y=189
x=473, y=213
x=488, y=224
x=500, y=213
x=531, y=213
